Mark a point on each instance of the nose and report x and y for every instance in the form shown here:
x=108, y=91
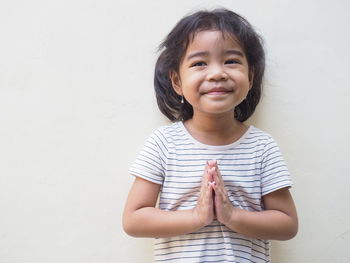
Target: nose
x=216, y=73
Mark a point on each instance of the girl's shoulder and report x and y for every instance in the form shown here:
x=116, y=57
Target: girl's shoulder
x=168, y=129
x=264, y=140
x=166, y=134
x=259, y=134
x=260, y=140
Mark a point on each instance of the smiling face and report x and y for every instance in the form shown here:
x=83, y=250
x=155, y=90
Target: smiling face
x=213, y=74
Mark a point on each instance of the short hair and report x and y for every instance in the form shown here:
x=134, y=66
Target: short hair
x=174, y=47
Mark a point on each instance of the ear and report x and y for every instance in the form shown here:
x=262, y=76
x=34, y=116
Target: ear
x=251, y=79
x=251, y=82
x=176, y=82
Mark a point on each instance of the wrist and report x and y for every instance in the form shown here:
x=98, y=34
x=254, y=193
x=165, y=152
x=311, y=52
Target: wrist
x=232, y=220
x=196, y=220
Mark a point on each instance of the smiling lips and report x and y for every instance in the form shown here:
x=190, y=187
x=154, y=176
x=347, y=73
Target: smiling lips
x=218, y=91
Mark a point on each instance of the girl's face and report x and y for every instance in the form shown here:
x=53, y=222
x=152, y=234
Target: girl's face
x=213, y=74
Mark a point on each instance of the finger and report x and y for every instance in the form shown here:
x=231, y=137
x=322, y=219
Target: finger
x=209, y=193
x=218, y=177
x=218, y=171
x=207, y=197
x=211, y=171
x=206, y=187
x=218, y=195
x=221, y=196
x=207, y=171
x=213, y=166
x=211, y=178
x=219, y=183
x=205, y=176
x=212, y=163
x=218, y=189
x=214, y=175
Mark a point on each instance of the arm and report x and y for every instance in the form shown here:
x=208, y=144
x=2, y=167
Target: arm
x=278, y=221
x=142, y=219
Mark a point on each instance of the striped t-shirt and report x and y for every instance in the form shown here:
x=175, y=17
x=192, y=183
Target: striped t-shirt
x=251, y=167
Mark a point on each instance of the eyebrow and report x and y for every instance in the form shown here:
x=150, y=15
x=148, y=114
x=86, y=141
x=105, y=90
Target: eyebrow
x=234, y=52
x=205, y=54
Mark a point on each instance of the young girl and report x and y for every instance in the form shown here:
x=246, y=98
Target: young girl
x=223, y=186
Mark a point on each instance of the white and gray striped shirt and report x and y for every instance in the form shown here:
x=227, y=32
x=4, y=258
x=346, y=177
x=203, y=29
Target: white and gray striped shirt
x=251, y=167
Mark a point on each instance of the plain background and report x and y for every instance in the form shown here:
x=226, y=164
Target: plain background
x=77, y=103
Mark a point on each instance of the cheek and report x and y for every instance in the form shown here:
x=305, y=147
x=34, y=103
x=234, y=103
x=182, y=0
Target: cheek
x=241, y=77
x=192, y=80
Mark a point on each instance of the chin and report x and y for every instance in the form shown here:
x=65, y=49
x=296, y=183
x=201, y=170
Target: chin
x=221, y=111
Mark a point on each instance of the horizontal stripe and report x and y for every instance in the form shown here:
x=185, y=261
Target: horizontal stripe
x=251, y=167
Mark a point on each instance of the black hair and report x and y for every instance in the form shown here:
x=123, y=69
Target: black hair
x=174, y=47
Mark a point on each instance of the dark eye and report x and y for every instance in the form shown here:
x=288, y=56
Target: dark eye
x=232, y=61
x=199, y=64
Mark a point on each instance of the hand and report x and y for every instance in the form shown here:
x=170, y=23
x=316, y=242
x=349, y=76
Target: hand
x=222, y=204
x=204, y=210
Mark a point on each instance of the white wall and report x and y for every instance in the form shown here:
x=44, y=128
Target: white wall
x=77, y=102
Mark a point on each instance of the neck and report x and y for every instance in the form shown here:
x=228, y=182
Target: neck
x=214, y=123
x=215, y=129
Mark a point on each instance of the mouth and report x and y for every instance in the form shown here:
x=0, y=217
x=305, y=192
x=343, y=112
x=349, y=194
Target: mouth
x=218, y=91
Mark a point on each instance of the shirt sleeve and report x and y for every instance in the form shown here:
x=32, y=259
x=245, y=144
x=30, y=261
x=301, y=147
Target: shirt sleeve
x=148, y=164
x=274, y=173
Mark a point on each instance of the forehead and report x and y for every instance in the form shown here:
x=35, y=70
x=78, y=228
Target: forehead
x=213, y=39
